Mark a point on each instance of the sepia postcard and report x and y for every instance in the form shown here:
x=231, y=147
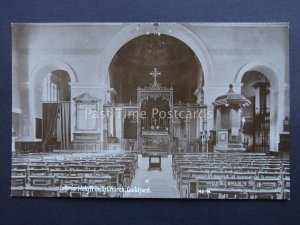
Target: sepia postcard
x=151, y=110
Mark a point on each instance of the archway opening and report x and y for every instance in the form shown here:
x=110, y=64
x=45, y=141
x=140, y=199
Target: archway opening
x=256, y=116
x=54, y=126
x=153, y=64
x=56, y=86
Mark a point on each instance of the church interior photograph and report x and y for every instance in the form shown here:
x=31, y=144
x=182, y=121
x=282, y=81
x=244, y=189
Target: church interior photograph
x=151, y=110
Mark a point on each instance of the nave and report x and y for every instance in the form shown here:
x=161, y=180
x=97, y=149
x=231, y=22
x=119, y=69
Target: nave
x=128, y=175
x=72, y=174
x=161, y=183
x=232, y=176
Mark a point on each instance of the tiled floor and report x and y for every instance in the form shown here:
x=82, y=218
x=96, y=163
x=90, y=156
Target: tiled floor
x=161, y=183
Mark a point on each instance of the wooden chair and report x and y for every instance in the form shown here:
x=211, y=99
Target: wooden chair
x=39, y=171
x=214, y=196
x=242, y=196
x=18, y=183
x=203, y=196
x=41, y=181
x=264, y=196
x=231, y=195
x=19, y=172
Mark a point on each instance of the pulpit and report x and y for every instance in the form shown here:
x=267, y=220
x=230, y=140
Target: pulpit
x=228, y=121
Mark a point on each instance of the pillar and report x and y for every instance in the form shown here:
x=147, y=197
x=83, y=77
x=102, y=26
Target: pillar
x=32, y=104
x=111, y=123
x=218, y=119
x=114, y=122
x=188, y=127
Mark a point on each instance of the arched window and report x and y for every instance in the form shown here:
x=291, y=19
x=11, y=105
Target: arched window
x=50, y=89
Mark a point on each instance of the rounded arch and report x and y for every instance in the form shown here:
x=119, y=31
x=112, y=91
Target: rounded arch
x=177, y=30
x=277, y=111
x=42, y=69
x=35, y=83
x=269, y=70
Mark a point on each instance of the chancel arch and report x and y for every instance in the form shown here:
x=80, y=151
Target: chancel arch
x=175, y=30
x=178, y=65
x=158, y=73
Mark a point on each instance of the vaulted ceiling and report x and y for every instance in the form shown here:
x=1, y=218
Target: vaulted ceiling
x=133, y=62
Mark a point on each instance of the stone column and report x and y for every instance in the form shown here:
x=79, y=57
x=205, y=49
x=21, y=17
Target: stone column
x=27, y=116
x=122, y=128
x=118, y=122
x=188, y=127
x=218, y=119
x=114, y=122
x=281, y=112
x=138, y=130
x=100, y=121
x=32, y=104
x=105, y=128
x=171, y=125
x=274, y=120
x=138, y=124
x=111, y=123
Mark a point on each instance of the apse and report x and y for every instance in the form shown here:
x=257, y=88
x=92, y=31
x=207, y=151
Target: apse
x=177, y=63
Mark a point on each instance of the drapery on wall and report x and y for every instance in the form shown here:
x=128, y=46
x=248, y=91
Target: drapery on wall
x=65, y=124
x=51, y=112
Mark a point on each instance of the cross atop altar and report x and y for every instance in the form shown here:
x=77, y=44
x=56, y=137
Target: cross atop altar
x=155, y=73
x=154, y=90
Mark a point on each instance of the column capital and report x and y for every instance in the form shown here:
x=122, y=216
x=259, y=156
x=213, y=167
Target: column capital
x=26, y=85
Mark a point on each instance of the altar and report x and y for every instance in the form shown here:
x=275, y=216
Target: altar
x=154, y=123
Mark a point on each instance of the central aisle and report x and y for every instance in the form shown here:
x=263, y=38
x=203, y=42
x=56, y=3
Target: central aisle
x=161, y=183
